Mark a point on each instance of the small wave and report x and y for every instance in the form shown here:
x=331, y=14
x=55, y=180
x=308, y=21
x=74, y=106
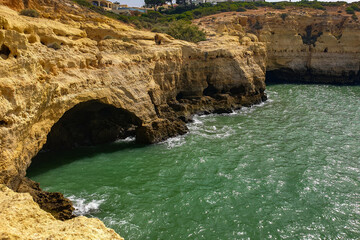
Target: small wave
x=83, y=207
x=196, y=120
x=128, y=139
x=174, y=142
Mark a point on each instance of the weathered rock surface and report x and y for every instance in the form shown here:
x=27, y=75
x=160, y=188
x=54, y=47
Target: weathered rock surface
x=157, y=84
x=22, y=218
x=71, y=62
x=303, y=45
x=72, y=77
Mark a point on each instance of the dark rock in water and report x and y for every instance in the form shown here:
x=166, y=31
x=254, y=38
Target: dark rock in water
x=53, y=202
x=160, y=130
x=223, y=110
x=186, y=119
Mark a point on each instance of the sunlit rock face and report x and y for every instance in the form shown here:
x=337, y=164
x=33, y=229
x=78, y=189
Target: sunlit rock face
x=22, y=218
x=64, y=83
x=303, y=45
x=150, y=90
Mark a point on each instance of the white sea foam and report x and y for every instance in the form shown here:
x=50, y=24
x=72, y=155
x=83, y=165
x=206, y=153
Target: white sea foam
x=128, y=139
x=175, y=141
x=84, y=207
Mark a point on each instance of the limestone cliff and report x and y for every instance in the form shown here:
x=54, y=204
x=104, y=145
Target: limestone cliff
x=303, y=45
x=72, y=77
x=21, y=218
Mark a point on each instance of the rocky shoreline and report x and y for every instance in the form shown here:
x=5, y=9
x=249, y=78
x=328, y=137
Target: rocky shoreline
x=96, y=89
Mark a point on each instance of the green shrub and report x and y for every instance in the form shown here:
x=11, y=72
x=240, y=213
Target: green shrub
x=349, y=10
x=30, y=13
x=154, y=15
x=283, y=16
x=186, y=31
x=160, y=29
x=250, y=6
x=241, y=9
x=123, y=18
x=55, y=46
x=355, y=7
x=318, y=6
x=137, y=24
x=197, y=13
x=354, y=17
x=278, y=6
x=83, y=3
x=155, y=29
x=126, y=39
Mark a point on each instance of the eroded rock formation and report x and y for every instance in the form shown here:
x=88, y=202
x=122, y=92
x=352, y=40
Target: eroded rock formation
x=303, y=45
x=71, y=71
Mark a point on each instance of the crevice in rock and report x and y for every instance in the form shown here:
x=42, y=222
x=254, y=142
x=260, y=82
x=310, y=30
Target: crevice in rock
x=3, y=123
x=5, y=51
x=179, y=96
x=239, y=90
x=151, y=95
x=210, y=90
x=311, y=35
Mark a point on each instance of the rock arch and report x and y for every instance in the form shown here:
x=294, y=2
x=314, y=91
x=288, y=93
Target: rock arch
x=91, y=123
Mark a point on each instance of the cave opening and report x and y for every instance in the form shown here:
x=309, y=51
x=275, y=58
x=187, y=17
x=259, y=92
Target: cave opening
x=5, y=51
x=91, y=123
x=210, y=90
x=86, y=124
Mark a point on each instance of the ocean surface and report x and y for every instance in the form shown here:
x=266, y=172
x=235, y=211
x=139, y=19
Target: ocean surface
x=285, y=169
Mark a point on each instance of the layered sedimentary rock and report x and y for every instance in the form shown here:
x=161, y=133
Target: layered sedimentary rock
x=72, y=77
x=303, y=45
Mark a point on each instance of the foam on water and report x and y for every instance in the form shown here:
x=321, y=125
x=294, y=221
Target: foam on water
x=85, y=206
x=128, y=139
x=174, y=141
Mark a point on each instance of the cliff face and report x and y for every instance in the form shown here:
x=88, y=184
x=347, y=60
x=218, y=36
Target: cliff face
x=303, y=45
x=155, y=84
x=74, y=78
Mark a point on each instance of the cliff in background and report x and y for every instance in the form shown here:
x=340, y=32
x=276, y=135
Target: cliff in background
x=303, y=45
x=72, y=77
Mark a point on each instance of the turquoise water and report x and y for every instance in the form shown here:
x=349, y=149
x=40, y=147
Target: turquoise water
x=287, y=169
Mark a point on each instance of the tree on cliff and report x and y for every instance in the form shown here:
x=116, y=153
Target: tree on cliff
x=155, y=3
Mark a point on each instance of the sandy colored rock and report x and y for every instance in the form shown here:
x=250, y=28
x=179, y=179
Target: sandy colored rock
x=70, y=60
x=303, y=45
x=39, y=83
x=21, y=218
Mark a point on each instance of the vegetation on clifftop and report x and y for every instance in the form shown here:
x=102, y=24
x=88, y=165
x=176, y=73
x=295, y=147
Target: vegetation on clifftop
x=30, y=13
x=165, y=20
